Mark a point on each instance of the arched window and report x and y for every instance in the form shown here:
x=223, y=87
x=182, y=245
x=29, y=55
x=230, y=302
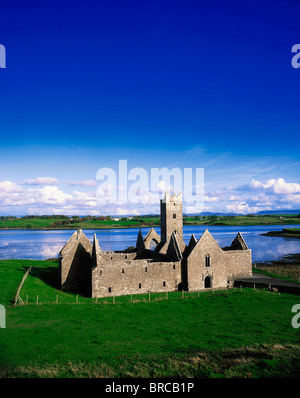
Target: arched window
x=153, y=244
x=207, y=260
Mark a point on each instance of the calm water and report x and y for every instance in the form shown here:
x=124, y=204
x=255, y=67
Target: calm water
x=39, y=245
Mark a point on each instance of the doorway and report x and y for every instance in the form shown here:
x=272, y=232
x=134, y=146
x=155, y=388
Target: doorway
x=207, y=282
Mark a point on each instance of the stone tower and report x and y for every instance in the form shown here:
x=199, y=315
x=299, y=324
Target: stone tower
x=171, y=216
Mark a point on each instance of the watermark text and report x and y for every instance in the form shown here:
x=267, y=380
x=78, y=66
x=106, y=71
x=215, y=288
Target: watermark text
x=2, y=316
x=296, y=318
x=2, y=56
x=296, y=58
x=138, y=185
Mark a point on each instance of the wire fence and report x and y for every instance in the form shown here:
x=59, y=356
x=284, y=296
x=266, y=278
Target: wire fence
x=75, y=299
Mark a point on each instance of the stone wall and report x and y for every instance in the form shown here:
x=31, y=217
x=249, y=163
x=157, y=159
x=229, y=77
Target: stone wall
x=135, y=277
x=208, y=265
x=75, y=264
x=238, y=263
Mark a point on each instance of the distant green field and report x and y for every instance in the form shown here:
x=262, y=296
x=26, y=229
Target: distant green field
x=244, y=333
x=89, y=222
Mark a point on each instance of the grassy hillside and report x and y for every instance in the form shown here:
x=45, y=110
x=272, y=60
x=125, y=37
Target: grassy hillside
x=52, y=223
x=240, y=334
x=89, y=222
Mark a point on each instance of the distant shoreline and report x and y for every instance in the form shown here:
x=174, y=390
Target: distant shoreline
x=282, y=233
x=42, y=223
x=285, y=233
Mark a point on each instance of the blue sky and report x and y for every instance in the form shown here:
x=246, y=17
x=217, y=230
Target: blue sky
x=158, y=83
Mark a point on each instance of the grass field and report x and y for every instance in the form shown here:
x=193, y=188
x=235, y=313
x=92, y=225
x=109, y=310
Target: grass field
x=141, y=221
x=244, y=333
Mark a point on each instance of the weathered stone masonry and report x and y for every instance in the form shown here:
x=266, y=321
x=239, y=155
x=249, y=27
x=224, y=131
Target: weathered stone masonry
x=172, y=265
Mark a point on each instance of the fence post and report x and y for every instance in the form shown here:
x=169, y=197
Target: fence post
x=37, y=298
x=182, y=295
x=149, y=296
x=167, y=295
x=21, y=284
x=114, y=300
x=76, y=298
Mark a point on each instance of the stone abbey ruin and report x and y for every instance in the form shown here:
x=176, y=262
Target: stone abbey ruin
x=171, y=265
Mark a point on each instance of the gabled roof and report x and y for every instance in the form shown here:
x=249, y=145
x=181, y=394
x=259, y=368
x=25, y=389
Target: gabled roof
x=239, y=243
x=69, y=244
x=161, y=248
x=96, y=253
x=76, y=236
x=205, y=238
x=151, y=235
x=140, y=244
x=180, y=241
x=191, y=245
x=173, y=251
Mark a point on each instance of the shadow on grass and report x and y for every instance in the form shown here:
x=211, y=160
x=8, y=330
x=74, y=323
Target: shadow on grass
x=48, y=275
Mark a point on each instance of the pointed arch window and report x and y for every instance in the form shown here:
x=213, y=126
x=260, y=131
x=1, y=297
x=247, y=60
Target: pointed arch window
x=207, y=260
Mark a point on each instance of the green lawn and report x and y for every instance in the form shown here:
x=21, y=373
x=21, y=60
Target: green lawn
x=240, y=334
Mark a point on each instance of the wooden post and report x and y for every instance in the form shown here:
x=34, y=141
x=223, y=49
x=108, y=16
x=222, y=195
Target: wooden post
x=167, y=295
x=37, y=298
x=149, y=297
x=182, y=294
x=76, y=298
x=26, y=298
x=241, y=288
x=131, y=298
x=114, y=300
x=254, y=286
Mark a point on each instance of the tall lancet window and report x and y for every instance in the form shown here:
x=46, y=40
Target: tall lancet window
x=207, y=260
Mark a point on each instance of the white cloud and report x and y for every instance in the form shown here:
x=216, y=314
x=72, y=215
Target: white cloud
x=41, y=181
x=235, y=197
x=282, y=187
x=9, y=187
x=84, y=183
x=264, y=195
x=251, y=197
x=211, y=198
x=279, y=186
x=51, y=195
x=241, y=208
